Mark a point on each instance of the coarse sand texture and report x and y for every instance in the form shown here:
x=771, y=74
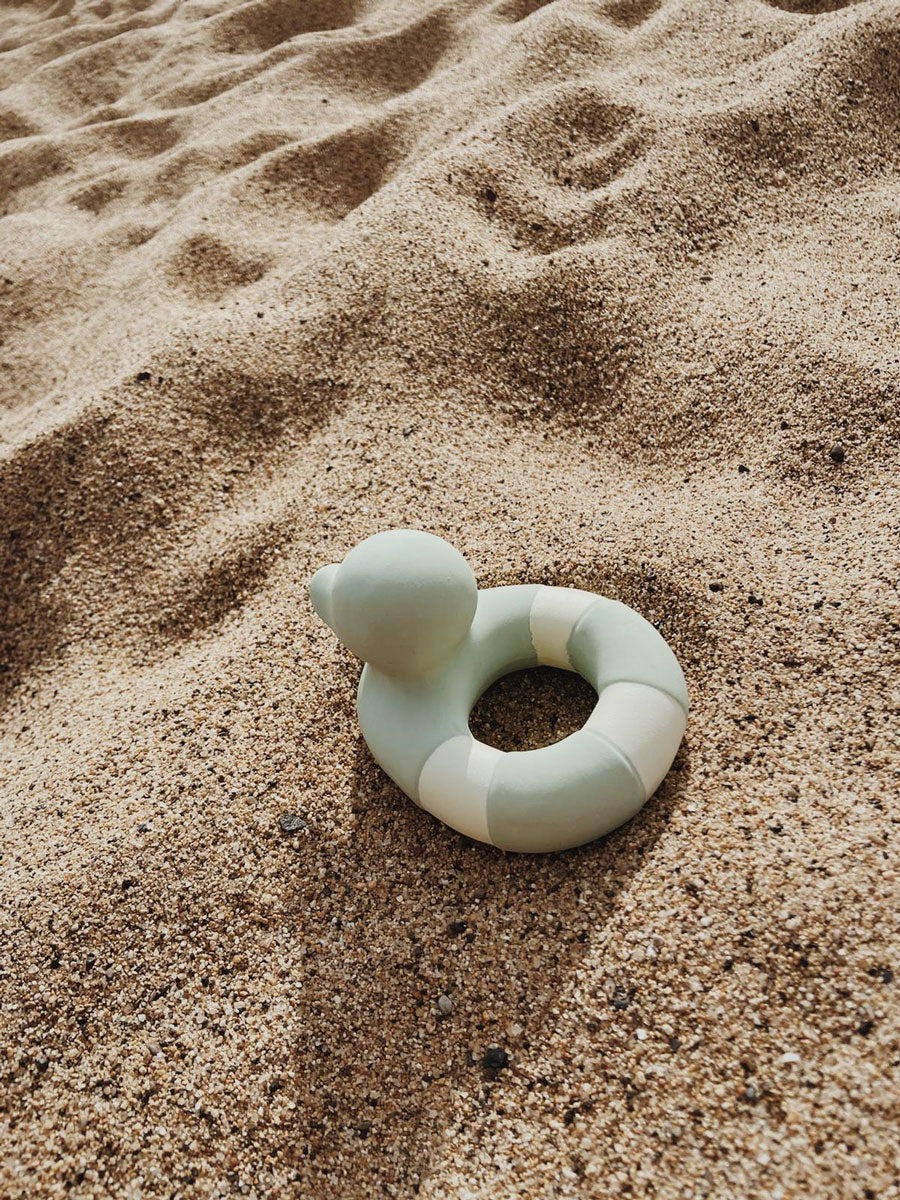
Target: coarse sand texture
x=606, y=295
x=406, y=603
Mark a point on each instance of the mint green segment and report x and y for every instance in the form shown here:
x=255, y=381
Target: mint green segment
x=561, y=795
x=500, y=638
x=611, y=643
x=404, y=719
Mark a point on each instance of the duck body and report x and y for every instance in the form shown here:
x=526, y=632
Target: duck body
x=416, y=722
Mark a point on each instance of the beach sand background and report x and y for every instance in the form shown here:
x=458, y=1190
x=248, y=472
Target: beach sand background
x=607, y=294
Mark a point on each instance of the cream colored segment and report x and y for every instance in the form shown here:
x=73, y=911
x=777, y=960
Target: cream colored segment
x=454, y=783
x=554, y=613
x=646, y=724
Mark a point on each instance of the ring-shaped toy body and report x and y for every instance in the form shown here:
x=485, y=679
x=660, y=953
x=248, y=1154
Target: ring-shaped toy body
x=416, y=723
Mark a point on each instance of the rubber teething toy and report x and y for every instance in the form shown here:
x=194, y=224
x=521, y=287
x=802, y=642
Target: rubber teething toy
x=407, y=604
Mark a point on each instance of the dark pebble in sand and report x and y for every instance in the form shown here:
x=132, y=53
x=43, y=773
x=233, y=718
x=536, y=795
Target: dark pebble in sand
x=621, y=998
x=291, y=823
x=836, y=453
x=495, y=1059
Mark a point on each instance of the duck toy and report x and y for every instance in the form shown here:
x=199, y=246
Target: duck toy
x=406, y=602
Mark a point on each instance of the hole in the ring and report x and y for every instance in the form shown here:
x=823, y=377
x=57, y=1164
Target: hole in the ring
x=533, y=708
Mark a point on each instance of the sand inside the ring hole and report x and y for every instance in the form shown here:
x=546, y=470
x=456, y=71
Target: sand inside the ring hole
x=525, y=710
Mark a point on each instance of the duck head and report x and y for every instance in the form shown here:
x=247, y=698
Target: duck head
x=402, y=600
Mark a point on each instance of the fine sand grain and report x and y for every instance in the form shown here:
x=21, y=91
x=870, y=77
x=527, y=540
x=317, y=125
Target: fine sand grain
x=604, y=291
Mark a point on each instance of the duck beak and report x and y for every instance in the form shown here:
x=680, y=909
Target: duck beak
x=320, y=588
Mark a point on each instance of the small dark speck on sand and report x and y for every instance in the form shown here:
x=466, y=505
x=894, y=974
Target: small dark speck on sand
x=490, y=195
x=143, y=376
x=458, y=927
x=836, y=453
x=495, y=1059
x=865, y=1028
x=291, y=823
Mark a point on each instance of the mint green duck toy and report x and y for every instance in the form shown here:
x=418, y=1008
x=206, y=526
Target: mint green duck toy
x=407, y=604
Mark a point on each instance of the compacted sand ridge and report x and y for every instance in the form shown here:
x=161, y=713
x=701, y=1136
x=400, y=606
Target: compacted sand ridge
x=606, y=292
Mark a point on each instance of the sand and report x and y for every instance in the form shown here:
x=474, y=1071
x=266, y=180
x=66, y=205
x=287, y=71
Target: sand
x=605, y=293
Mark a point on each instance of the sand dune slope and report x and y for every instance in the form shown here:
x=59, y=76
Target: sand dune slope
x=607, y=293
